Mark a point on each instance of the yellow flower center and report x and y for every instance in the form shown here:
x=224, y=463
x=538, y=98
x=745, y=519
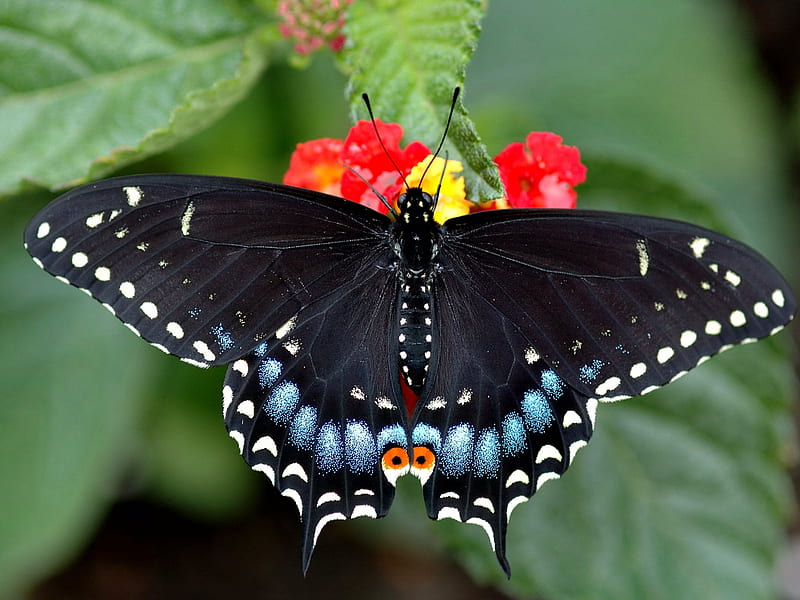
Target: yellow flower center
x=452, y=197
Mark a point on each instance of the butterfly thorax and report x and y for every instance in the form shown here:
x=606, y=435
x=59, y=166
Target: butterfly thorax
x=416, y=244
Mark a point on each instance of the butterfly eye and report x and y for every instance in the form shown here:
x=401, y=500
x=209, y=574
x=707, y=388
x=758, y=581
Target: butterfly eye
x=423, y=463
x=395, y=463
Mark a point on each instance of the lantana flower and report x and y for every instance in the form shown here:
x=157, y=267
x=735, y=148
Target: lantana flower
x=313, y=23
x=541, y=173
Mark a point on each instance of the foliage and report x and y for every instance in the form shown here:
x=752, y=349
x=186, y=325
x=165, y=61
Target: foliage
x=680, y=494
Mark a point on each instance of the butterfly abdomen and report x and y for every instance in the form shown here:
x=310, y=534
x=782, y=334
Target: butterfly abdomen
x=415, y=331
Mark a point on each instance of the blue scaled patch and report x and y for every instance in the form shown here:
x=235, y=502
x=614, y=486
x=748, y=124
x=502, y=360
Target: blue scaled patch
x=282, y=401
x=455, y=458
x=268, y=372
x=514, y=438
x=261, y=350
x=537, y=412
x=224, y=338
x=392, y=435
x=487, y=453
x=588, y=373
x=303, y=427
x=360, y=452
x=328, y=450
x=427, y=435
x=552, y=384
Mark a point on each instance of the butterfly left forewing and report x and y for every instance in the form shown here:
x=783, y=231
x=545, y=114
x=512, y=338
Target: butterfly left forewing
x=315, y=407
x=203, y=267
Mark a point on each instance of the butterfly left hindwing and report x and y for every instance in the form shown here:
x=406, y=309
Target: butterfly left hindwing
x=314, y=407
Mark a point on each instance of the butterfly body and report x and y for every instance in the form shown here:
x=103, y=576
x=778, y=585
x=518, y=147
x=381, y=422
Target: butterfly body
x=511, y=326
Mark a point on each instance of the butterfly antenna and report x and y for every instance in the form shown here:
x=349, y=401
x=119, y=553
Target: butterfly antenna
x=380, y=196
x=441, y=180
x=456, y=92
x=365, y=98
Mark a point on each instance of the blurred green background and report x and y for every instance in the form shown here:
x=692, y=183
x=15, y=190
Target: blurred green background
x=118, y=478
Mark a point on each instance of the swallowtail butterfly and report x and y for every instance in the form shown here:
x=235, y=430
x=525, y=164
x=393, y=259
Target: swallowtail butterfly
x=510, y=325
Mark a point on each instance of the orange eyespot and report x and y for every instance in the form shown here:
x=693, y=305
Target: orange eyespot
x=423, y=463
x=424, y=458
x=395, y=459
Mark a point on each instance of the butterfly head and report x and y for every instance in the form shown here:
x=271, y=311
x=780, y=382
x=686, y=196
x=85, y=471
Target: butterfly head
x=416, y=206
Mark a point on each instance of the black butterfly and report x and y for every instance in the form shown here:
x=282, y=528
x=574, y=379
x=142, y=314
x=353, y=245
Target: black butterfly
x=510, y=325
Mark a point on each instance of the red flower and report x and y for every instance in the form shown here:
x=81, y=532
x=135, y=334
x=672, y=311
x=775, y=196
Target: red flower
x=363, y=154
x=317, y=165
x=541, y=175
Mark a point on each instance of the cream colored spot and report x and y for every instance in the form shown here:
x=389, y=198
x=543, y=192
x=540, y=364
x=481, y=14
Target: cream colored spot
x=79, y=260
x=127, y=289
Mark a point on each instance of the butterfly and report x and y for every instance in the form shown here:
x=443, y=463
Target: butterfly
x=510, y=326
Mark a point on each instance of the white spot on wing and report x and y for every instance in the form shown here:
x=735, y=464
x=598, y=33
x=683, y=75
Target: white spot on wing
x=437, y=403
x=549, y=476
x=364, y=510
x=571, y=418
x=449, y=512
x=486, y=527
x=518, y=476
x=664, y=354
x=227, y=398
x=95, y=220
x=127, y=289
x=241, y=367
x=644, y=257
x=713, y=328
x=133, y=194
x=102, y=273
x=548, y=451
x=609, y=385
x=732, y=278
x=385, y=403
x=266, y=443
x=337, y=516
x=295, y=495
x=202, y=348
x=43, y=230
x=58, y=244
x=698, y=246
x=514, y=503
x=296, y=470
x=149, y=309
x=238, y=438
x=79, y=260
x=638, y=370
x=186, y=218
x=284, y=329
x=246, y=408
x=760, y=309
x=267, y=470
x=737, y=318
x=688, y=338
x=531, y=356
x=175, y=330
x=484, y=502
x=778, y=299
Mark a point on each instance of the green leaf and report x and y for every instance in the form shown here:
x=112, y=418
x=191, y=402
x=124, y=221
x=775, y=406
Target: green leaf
x=72, y=395
x=679, y=494
x=409, y=57
x=90, y=86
